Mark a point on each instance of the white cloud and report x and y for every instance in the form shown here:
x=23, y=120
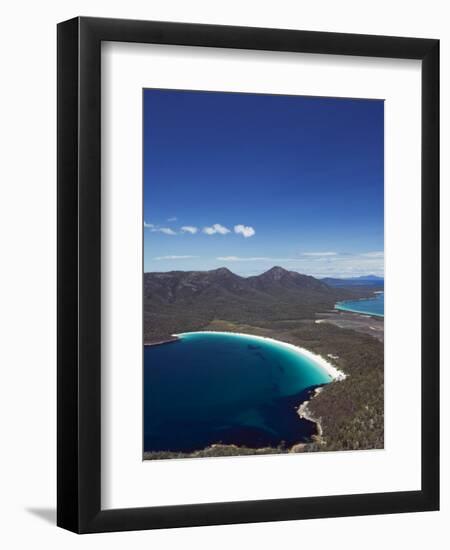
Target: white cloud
x=189, y=229
x=174, y=257
x=216, y=228
x=319, y=254
x=156, y=229
x=345, y=265
x=172, y=219
x=336, y=265
x=254, y=259
x=378, y=254
x=166, y=231
x=245, y=230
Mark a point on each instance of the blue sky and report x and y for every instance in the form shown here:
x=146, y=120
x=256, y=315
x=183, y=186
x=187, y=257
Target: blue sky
x=249, y=181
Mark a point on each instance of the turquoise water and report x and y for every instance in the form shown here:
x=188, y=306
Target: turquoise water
x=369, y=306
x=208, y=388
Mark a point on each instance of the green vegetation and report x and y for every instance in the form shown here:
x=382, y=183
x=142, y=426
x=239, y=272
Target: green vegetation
x=215, y=451
x=183, y=301
x=349, y=412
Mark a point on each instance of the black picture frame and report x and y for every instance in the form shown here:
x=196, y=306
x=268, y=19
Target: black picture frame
x=79, y=281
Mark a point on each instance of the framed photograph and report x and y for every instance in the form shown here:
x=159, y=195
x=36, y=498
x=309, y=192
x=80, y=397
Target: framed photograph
x=237, y=209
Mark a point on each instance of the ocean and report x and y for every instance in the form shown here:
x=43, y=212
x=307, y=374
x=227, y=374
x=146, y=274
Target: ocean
x=226, y=388
x=369, y=306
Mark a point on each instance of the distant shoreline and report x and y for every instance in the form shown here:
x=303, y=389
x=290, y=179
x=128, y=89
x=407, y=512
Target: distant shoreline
x=340, y=306
x=366, y=313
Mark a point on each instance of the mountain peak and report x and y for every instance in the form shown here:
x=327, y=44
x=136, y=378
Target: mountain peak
x=275, y=272
x=222, y=271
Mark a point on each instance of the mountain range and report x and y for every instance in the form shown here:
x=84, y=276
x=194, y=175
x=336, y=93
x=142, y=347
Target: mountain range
x=178, y=301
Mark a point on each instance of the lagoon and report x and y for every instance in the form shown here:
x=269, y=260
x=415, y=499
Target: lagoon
x=212, y=387
x=367, y=306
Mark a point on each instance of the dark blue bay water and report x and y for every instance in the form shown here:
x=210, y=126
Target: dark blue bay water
x=208, y=388
x=369, y=306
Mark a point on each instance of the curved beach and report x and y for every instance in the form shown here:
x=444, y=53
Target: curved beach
x=261, y=406
x=331, y=370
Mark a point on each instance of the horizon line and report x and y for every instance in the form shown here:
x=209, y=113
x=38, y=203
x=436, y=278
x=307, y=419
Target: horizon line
x=266, y=270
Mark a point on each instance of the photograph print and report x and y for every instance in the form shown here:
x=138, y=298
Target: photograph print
x=263, y=283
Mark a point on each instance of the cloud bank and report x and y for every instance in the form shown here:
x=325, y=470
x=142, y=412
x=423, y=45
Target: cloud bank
x=216, y=229
x=336, y=264
x=186, y=257
x=320, y=254
x=254, y=259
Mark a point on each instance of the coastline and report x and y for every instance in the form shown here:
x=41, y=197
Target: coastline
x=160, y=342
x=304, y=412
x=334, y=373
x=344, y=427
x=302, y=409
x=337, y=308
x=231, y=449
x=340, y=306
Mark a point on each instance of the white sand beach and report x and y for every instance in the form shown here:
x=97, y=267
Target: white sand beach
x=333, y=372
